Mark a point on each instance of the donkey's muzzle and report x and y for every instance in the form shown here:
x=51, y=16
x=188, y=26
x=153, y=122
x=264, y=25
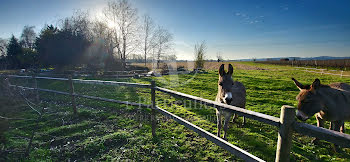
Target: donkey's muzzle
x=301, y=116
x=228, y=97
x=228, y=100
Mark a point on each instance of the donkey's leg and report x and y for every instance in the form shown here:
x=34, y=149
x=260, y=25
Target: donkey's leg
x=337, y=125
x=243, y=121
x=218, y=122
x=342, y=128
x=235, y=116
x=226, y=122
x=331, y=126
x=320, y=123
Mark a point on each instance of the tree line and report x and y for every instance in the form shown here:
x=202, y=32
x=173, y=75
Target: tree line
x=106, y=42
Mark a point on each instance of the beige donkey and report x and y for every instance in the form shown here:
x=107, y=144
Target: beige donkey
x=229, y=92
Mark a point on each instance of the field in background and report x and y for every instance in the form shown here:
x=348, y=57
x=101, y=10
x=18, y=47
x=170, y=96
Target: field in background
x=105, y=131
x=342, y=64
x=240, y=65
x=189, y=65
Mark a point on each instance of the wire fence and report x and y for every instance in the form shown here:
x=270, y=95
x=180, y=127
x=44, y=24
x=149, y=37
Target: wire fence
x=343, y=64
x=324, y=71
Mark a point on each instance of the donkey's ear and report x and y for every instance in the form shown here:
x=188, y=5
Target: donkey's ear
x=230, y=69
x=298, y=84
x=316, y=84
x=222, y=70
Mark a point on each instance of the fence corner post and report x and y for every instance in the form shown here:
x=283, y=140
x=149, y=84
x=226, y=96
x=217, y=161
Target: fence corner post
x=72, y=93
x=153, y=115
x=37, y=99
x=285, y=133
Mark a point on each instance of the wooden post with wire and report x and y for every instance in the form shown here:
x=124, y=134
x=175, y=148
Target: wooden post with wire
x=72, y=93
x=7, y=86
x=285, y=133
x=153, y=113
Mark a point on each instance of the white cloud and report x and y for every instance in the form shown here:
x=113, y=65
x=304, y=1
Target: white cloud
x=284, y=7
x=248, y=19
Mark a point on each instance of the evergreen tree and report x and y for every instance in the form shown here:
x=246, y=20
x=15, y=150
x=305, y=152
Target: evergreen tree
x=14, y=52
x=44, y=44
x=60, y=48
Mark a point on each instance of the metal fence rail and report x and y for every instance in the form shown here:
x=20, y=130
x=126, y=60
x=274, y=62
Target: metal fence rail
x=271, y=120
x=100, y=82
x=335, y=137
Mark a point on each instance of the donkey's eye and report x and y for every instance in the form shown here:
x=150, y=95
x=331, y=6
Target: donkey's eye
x=220, y=84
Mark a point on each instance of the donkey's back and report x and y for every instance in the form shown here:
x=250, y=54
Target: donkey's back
x=341, y=86
x=238, y=95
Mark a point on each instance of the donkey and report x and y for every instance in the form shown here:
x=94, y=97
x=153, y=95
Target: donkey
x=229, y=92
x=328, y=102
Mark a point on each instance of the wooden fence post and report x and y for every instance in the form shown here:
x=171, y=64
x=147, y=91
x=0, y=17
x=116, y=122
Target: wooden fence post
x=74, y=106
x=285, y=133
x=37, y=99
x=153, y=115
x=341, y=74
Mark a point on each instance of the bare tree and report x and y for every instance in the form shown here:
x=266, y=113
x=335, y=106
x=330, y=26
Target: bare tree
x=147, y=35
x=101, y=50
x=28, y=37
x=163, y=43
x=78, y=24
x=101, y=32
x=122, y=18
x=199, y=54
x=3, y=47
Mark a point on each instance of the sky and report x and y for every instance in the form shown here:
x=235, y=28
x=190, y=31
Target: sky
x=237, y=29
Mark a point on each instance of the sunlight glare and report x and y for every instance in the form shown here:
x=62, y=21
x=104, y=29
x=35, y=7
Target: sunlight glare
x=111, y=24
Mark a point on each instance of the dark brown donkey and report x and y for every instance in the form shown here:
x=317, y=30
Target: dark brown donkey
x=329, y=102
x=229, y=92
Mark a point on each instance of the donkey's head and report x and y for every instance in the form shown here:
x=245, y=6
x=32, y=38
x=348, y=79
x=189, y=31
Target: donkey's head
x=225, y=84
x=309, y=100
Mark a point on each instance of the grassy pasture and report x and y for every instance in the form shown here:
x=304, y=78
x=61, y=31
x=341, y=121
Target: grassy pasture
x=239, y=65
x=105, y=131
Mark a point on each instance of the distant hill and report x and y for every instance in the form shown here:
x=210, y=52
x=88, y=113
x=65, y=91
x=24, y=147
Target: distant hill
x=297, y=58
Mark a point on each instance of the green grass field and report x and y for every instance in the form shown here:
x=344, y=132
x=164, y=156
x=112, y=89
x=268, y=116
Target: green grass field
x=106, y=131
